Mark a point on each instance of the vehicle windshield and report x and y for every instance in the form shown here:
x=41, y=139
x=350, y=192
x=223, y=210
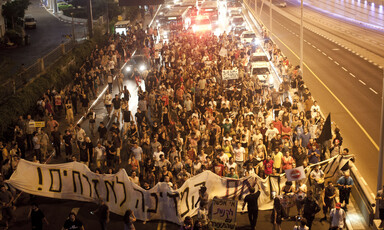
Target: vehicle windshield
x=258, y=58
x=136, y=60
x=233, y=4
x=249, y=35
x=260, y=71
x=237, y=20
x=29, y=19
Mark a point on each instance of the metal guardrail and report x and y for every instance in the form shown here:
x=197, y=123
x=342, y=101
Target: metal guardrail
x=10, y=87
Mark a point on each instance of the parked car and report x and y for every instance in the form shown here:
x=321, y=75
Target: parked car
x=29, y=22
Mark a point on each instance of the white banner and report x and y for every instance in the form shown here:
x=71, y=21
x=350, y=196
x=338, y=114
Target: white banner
x=75, y=181
x=231, y=74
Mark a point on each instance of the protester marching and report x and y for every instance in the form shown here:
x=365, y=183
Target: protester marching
x=189, y=120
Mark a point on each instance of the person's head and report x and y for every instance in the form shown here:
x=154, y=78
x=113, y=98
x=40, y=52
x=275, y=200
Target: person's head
x=35, y=207
x=252, y=190
x=133, y=174
x=330, y=184
x=346, y=174
x=232, y=170
x=72, y=216
x=345, y=151
x=128, y=212
x=338, y=205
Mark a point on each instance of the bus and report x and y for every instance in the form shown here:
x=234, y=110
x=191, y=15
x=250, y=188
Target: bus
x=210, y=9
x=192, y=4
x=177, y=18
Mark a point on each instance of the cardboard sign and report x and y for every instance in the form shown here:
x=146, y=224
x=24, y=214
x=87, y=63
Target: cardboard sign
x=37, y=124
x=230, y=74
x=224, y=213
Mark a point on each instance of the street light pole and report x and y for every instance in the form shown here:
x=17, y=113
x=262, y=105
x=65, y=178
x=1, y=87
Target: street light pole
x=270, y=18
x=301, y=37
x=107, y=16
x=381, y=151
x=73, y=29
x=255, y=7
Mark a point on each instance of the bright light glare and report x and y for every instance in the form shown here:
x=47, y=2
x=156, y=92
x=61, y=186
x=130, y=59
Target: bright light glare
x=142, y=68
x=256, y=42
x=128, y=69
x=270, y=80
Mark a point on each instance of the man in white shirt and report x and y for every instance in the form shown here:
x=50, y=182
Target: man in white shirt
x=337, y=217
x=238, y=153
x=80, y=135
x=100, y=155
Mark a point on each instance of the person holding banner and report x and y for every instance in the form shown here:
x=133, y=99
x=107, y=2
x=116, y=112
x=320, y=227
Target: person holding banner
x=253, y=207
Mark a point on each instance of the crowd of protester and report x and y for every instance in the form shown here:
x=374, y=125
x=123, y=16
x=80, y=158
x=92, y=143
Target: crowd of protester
x=188, y=119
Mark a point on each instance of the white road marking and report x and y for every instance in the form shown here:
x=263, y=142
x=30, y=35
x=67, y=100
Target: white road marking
x=336, y=63
x=344, y=69
x=373, y=90
x=330, y=58
x=324, y=54
x=335, y=49
x=314, y=46
x=352, y=75
x=362, y=82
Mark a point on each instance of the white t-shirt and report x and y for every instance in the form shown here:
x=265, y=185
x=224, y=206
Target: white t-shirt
x=337, y=216
x=239, y=154
x=229, y=166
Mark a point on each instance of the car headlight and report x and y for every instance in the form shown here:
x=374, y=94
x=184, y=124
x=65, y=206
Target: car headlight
x=128, y=69
x=142, y=68
x=270, y=80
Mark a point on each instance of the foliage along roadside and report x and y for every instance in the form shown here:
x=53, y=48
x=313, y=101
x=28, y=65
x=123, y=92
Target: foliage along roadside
x=24, y=101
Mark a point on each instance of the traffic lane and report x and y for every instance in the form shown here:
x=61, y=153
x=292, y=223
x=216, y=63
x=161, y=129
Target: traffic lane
x=355, y=65
x=355, y=93
x=354, y=137
x=368, y=38
x=43, y=39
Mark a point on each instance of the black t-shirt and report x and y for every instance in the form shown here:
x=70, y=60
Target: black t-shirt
x=251, y=200
x=103, y=212
x=299, y=158
x=102, y=131
x=73, y=225
x=126, y=115
x=67, y=139
x=37, y=219
x=116, y=103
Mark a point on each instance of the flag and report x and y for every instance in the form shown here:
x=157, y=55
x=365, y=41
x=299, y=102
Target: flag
x=295, y=174
x=326, y=133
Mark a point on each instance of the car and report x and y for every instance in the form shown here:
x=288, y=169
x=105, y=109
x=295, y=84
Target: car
x=234, y=13
x=29, y=22
x=258, y=57
x=201, y=24
x=262, y=71
x=139, y=62
x=238, y=30
x=237, y=21
x=247, y=37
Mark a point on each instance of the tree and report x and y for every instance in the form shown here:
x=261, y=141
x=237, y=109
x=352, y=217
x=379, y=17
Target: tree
x=13, y=10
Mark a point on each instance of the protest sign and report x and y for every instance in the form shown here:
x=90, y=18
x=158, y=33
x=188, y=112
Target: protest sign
x=230, y=74
x=224, y=214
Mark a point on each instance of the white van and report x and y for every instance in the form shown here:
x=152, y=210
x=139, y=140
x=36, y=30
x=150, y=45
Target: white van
x=262, y=71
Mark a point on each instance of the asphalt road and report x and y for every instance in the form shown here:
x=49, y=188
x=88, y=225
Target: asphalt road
x=343, y=83
x=43, y=39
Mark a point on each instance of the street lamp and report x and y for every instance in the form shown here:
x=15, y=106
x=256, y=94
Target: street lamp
x=73, y=28
x=301, y=37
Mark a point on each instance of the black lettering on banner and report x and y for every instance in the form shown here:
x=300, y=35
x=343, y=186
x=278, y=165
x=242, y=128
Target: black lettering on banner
x=95, y=183
x=174, y=197
x=74, y=182
x=125, y=191
x=40, y=175
x=142, y=198
x=157, y=202
x=243, y=188
x=89, y=183
x=51, y=189
x=186, y=193
x=112, y=186
x=236, y=184
x=202, y=184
